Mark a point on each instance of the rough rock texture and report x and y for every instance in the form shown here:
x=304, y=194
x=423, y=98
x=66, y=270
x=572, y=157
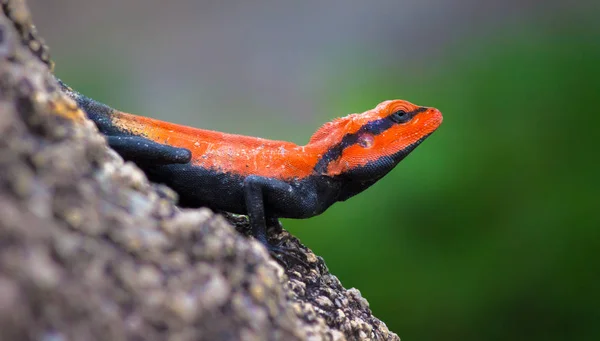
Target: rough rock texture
x=89, y=250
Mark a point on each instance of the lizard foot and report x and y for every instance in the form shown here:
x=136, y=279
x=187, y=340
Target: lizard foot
x=280, y=253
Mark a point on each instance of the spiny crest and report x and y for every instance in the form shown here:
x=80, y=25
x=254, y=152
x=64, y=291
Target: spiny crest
x=331, y=128
x=348, y=124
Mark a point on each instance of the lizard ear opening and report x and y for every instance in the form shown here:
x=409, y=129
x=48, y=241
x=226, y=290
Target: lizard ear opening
x=366, y=140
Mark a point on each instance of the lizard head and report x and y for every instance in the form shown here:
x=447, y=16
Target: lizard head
x=365, y=147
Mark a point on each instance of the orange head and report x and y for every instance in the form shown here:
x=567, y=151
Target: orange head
x=367, y=146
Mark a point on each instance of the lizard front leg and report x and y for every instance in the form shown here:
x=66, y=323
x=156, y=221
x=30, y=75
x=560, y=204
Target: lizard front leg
x=256, y=190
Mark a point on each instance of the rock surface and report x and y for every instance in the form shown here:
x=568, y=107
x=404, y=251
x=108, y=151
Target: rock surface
x=90, y=250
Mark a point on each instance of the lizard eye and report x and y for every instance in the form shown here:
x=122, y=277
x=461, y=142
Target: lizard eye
x=400, y=116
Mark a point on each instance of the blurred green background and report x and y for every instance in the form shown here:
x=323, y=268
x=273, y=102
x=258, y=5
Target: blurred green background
x=487, y=231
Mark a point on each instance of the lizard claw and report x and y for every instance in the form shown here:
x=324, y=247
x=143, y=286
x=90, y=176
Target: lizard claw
x=280, y=253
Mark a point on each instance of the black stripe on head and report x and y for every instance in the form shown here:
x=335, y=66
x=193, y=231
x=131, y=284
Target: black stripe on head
x=374, y=128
